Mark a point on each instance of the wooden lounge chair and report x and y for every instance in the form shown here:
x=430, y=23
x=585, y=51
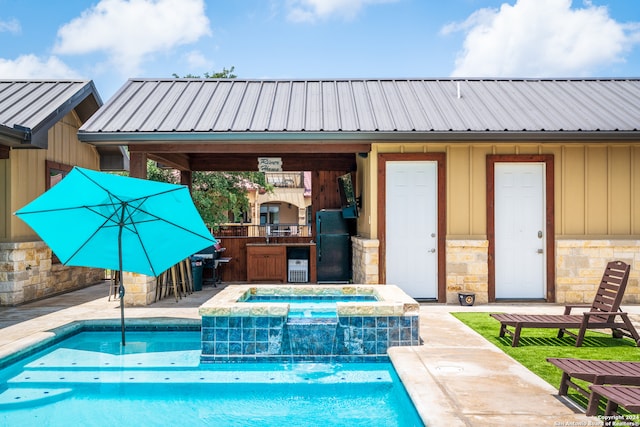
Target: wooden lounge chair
x=596, y=372
x=618, y=395
x=604, y=312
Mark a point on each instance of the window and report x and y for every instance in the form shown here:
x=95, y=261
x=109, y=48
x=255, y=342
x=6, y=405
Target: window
x=269, y=214
x=55, y=173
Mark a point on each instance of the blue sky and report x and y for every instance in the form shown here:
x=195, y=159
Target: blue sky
x=110, y=41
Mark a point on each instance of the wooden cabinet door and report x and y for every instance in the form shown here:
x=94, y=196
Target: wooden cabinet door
x=266, y=263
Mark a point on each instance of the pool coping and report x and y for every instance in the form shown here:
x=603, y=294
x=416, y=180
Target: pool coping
x=391, y=300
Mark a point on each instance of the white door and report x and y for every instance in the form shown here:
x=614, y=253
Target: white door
x=520, y=260
x=411, y=227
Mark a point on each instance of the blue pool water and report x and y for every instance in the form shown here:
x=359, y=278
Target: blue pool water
x=157, y=380
x=311, y=306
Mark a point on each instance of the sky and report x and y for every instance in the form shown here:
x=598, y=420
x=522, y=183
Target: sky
x=110, y=41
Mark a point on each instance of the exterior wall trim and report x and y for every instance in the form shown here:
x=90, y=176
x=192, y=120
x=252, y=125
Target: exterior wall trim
x=548, y=160
x=440, y=158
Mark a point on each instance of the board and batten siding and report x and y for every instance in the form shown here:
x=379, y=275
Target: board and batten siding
x=24, y=172
x=597, y=186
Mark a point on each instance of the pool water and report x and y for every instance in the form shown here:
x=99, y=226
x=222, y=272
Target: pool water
x=157, y=379
x=311, y=306
x=313, y=309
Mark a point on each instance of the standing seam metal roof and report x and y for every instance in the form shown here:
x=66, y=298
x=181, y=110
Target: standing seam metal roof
x=29, y=103
x=371, y=106
x=28, y=108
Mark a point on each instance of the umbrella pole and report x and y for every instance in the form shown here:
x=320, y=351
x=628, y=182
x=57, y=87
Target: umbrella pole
x=121, y=287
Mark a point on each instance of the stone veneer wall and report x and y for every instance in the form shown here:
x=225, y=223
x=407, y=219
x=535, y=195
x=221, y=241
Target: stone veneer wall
x=579, y=268
x=140, y=290
x=580, y=264
x=467, y=269
x=365, y=260
x=27, y=274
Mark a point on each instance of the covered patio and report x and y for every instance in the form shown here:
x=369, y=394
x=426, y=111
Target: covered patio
x=206, y=125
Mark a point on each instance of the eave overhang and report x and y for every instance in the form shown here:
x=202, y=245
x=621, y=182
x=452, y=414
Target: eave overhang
x=14, y=137
x=123, y=138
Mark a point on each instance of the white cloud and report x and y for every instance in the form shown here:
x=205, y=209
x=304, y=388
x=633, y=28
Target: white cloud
x=196, y=61
x=538, y=38
x=128, y=31
x=10, y=26
x=32, y=67
x=312, y=10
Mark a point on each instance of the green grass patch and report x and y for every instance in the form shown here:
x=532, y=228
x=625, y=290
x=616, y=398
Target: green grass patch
x=538, y=344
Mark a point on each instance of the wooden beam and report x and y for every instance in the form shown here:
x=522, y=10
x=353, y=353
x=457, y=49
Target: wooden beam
x=174, y=160
x=290, y=162
x=327, y=147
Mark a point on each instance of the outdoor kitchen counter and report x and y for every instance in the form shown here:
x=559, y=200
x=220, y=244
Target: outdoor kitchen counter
x=268, y=262
x=281, y=244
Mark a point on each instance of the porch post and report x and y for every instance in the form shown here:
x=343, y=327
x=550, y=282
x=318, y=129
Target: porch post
x=186, y=178
x=138, y=165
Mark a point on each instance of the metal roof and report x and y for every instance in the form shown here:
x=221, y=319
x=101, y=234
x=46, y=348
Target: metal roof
x=28, y=108
x=366, y=109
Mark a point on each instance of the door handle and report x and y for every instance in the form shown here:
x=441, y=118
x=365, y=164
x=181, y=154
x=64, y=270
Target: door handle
x=540, y=251
x=432, y=250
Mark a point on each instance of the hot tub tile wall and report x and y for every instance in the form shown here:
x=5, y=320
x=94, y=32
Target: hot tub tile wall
x=234, y=331
x=269, y=339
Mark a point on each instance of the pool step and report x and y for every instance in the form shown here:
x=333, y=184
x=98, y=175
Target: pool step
x=43, y=378
x=17, y=397
x=65, y=358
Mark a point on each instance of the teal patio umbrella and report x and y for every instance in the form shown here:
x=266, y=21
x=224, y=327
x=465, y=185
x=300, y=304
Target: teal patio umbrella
x=95, y=219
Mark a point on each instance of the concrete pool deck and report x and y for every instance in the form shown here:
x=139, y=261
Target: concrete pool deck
x=456, y=378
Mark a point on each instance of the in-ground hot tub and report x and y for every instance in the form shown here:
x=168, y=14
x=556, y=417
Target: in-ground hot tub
x=317, y=323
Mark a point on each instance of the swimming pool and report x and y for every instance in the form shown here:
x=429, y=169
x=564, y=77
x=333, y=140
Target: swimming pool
x=157, y=379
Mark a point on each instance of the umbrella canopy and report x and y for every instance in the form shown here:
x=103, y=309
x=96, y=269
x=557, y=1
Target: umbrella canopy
x=94, y=219
x=79, y=219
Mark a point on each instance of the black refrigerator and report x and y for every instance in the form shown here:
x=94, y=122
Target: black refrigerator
x=333, y=247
